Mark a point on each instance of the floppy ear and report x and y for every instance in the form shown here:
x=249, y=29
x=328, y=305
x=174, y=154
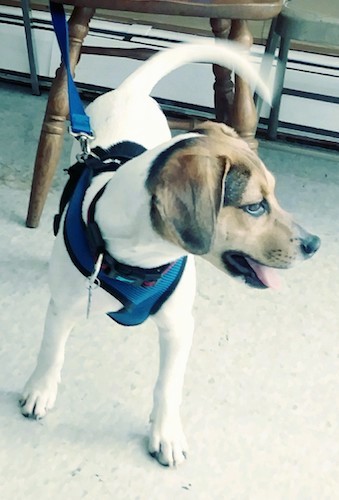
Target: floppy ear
x=187, y=197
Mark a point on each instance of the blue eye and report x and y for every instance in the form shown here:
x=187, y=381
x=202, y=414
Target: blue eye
x=256, y=209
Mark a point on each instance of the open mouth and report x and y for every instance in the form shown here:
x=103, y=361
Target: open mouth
x=254, y=274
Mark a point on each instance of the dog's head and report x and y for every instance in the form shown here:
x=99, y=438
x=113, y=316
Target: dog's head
x=214, y=197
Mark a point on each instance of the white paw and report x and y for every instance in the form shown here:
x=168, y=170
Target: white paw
x=167, y=442
x=39, y=396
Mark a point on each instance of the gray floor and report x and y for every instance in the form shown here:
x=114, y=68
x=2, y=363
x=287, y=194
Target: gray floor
x=261, y=406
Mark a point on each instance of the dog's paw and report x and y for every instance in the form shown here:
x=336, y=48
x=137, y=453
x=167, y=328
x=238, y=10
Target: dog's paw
x=167, y=442
x=38, y=396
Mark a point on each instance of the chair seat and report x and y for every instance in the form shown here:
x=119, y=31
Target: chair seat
x=304, y=20
x=310, y=21
x=313, y=10
x=228, y=9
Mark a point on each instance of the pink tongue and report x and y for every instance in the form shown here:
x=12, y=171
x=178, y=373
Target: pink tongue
x=267, y=275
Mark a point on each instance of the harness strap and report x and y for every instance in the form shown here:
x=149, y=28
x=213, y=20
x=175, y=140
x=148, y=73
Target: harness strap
x=99, y=161
x=95, y=239
x=138, y=301
x=110, y=266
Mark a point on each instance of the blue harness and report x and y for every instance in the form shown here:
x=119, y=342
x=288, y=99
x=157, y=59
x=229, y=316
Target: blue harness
x=141, y=291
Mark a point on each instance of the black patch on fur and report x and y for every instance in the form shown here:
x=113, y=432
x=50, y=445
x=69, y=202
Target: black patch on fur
x=235, y=185
x=124, y=151
x=163, y=157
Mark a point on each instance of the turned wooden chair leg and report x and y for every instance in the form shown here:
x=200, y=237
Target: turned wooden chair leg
x=223, y=86
x=234, y=104
x=52, y=132
x=244, y=113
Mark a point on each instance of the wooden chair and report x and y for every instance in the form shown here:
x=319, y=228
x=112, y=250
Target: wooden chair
x=302, y=20
x=234, y=106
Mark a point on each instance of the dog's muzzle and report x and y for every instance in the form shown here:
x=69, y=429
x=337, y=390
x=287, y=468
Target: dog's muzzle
x=260, y=276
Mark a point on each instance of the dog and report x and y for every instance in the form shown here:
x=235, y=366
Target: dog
x=204, y=193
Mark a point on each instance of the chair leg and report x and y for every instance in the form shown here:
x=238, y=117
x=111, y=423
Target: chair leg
x=267, y=61
x=272, y=39
x=52, y=132
x=30, y=47
x=279, y=84
x=244, y=113
x=223, y=85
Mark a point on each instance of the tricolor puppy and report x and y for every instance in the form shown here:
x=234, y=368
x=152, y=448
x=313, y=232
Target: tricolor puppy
x=144, y=204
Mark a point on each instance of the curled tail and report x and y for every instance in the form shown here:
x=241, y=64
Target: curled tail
x=228, y=54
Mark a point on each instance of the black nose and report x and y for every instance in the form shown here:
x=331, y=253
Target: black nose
x=310, y=244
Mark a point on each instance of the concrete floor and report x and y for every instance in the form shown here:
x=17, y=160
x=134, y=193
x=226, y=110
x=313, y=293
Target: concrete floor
x=261, y=407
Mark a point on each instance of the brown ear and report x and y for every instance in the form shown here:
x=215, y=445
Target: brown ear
x=187, y=198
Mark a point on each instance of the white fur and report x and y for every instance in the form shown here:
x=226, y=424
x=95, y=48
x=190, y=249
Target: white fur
x=122, y=213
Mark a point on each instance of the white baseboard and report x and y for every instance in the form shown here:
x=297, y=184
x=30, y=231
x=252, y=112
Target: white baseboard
x=313, y=80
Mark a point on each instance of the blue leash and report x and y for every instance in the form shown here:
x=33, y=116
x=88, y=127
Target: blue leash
x=80, y=126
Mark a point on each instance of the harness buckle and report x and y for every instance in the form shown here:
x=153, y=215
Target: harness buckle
x=84, y=140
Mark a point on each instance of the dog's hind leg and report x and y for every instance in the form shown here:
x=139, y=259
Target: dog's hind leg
x=175, y=322
x=40, y=390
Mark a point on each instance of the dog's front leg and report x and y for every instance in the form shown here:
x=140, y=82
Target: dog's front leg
x=40, y=390
x=167, y=440
x=175, y=323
